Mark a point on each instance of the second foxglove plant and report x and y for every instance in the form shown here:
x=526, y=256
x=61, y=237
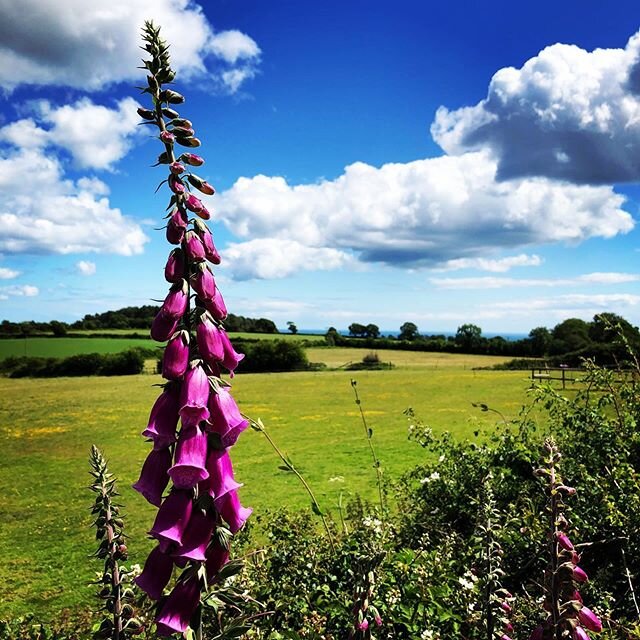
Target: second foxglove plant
x=195, y=420
x=567, y=616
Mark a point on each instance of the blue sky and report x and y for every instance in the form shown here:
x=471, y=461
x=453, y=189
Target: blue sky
x=374, y=162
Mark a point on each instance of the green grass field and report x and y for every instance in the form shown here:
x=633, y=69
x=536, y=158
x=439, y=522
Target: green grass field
x=47, y=427
x=63, y=347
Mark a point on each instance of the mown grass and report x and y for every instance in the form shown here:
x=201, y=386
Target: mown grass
x=49, y=347
x=47, y=427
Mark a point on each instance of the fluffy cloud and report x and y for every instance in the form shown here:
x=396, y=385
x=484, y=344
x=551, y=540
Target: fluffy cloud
x=496, y=265
x=21, y=290
x=61, y=216
x=91, y=45
x=86, y=268
x=501, y=283
x=8, y=274
x=95, y=136
x=266, y=258
x=566, y=114
x=423, y=213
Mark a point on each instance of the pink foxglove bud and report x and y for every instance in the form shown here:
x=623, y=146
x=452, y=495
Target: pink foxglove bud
x=163, y=327
x=174, y=269
x=191, y=458
x=175, y=184
x=197, y=537
x=172, y=518
x=225, y=417
x=576, y=596
x=203, y=282
x=200, y=184
x=508, y=627
x=181, y=122
x=232, y=512
x=564, y=541
x=176, y=168
x=167, y=137
x=363, y=625
x=378, y=620
x=209, y=339
x=176, y=227
x=504, y=636
x=192, y=159
x=210, y=250
x=506, y=607
x=194, y=247
x=163, y=419
x=580, y=634
x=216, y=306
x=182, y=132
x=194, y=395
x=176, y=356
x=178, y=608
x=154, y=477
x=589, y=620
x=579, y=575
x=175, y=304
x=193, y=204
x=170, y=113
x=231, y=357
x=156, y=574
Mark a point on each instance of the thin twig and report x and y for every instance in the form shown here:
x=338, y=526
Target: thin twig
x=259, y=426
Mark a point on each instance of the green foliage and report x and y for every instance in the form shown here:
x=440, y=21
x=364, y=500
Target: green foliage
x=408, y=331
x=129, y=362
x=371, y=361
x=272, y=355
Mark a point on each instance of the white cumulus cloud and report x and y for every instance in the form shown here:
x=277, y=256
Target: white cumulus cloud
x=567, y=114
x=20, y=290
x=496, y=265
x=90, y=45
x=96, y=136
x=86, y=268
x=8, y=274
x=266, y=258
x=61, y=215
x=422, y=213
x=484, y=282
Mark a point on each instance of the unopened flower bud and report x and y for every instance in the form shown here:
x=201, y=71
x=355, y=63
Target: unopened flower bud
x=172, y=97
x=564, y=541
x=175, y=304
x=175, y=184
x=579, y=575
x=170, y=113
x=176, y=227
x=188, y=142
x=182, y=132
x=210, y=250
x=192, y=159
x=181, y=122
x=203, y=282
x=147, y=114
x=580, y=634
x=193, y=204
x=176, y=168
x=200, y=184
x=176, y=356
x=164, y=158
x=174, y=269
x=194, y=247
x=506, y=607
x=589, y=620
x=167, y=137
x=569, y=491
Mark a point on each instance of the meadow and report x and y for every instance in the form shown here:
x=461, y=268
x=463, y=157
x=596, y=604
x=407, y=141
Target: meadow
x=49, y=347
x=47, y=427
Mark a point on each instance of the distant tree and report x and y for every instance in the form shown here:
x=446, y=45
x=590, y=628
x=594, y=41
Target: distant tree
x=568, y=336
x=539, y=341
x=468, y=337
x=608, y=327
x=332, y=336
x=372, y=331
x=408, y=331
x=357, y=330
x=292, y=327
x=58, y=329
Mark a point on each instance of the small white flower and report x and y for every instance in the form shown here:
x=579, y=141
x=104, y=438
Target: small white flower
x=467, y=584
x=336, y=479
x=434, y=476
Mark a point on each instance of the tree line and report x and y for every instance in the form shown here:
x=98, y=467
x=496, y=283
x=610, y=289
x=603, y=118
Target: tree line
x=608, y=339
x=126, y=318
